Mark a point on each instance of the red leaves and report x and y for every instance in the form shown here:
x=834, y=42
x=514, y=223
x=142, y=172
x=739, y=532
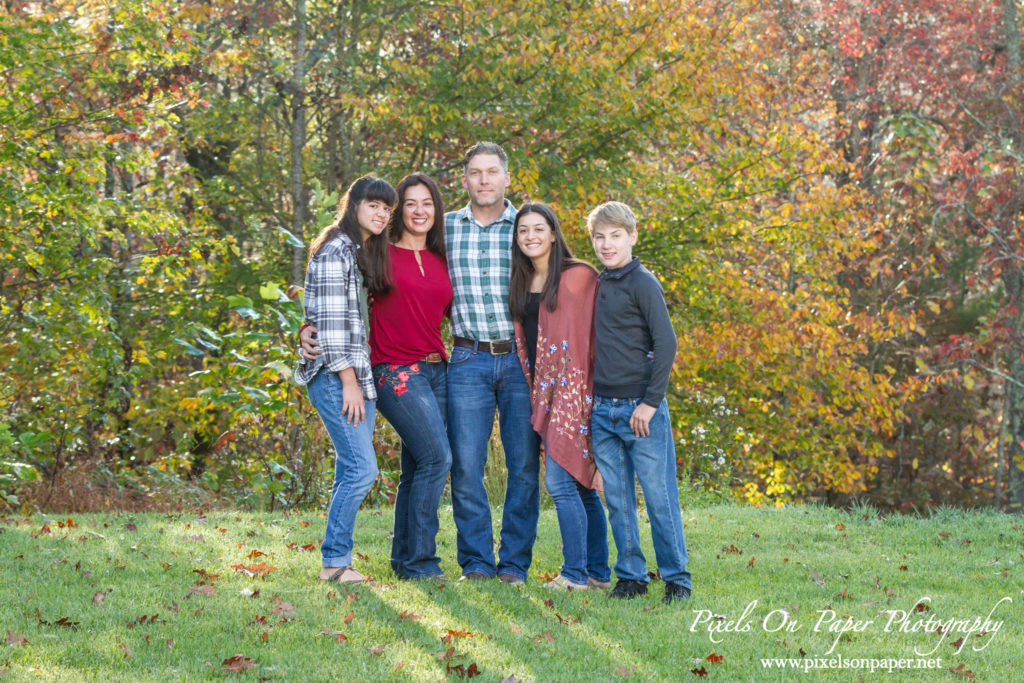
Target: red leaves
x=959, y=671
x=713, y=658
x=63, y=621
x=261, y=569
x=223, y=440
x=545, y=637
x=237, y=663
x=463, y=671
x=206, y=575
x=407, y=615
x=337, y=635
x=349, y=616
x=456, y=633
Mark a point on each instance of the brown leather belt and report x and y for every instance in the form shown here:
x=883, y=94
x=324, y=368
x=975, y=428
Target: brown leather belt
x=495, y=348
x=434, y=357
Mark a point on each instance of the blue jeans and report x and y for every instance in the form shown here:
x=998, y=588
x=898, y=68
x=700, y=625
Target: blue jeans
x=414, y=400
x=479, y=382
x=582, y=523
x=355, y=466
x=620, y=456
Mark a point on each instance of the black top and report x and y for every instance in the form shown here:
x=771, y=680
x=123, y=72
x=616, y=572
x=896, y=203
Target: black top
x=634, y=343
x=530, y=320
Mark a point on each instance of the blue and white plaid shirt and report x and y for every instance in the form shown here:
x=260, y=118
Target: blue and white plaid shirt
x=480, y=264
x=333, y=303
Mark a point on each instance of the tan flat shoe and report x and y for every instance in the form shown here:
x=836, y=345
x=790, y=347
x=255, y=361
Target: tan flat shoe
x=341, y=575
x=562, y=583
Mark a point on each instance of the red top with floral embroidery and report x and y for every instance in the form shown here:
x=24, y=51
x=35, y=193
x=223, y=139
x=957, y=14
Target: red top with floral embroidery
x=562, y=396
x=405, y=323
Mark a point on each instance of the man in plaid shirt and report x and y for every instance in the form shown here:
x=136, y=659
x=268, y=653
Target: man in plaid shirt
x=484, y=374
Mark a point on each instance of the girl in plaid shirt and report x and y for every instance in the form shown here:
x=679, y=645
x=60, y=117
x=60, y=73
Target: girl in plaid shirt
x=339, y=380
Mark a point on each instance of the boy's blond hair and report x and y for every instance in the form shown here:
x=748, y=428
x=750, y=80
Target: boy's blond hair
x=612, y=213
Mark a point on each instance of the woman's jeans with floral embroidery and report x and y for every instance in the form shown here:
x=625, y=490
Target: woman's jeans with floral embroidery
x=414, y=399
x=582, y=523
x=355, y=467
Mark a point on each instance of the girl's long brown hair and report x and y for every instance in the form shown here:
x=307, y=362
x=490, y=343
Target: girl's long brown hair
x=373, y=258
x=559, y=259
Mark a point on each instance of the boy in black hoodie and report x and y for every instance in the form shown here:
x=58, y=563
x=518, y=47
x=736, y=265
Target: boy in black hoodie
x=634, y=348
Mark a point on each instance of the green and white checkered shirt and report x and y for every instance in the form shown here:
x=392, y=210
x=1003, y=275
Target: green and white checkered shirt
x=480, y=263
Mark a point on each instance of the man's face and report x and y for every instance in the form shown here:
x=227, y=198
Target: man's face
x=485, y=180
x=613, y=244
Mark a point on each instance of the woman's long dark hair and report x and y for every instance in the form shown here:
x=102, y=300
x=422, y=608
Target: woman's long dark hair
x=373, y=259
x=559, y=259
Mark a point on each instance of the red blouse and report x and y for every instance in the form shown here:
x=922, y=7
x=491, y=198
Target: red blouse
x=405, y=323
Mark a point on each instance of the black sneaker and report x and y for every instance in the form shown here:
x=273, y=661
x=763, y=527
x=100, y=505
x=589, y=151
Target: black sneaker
x=675, y=591
x=627, y=588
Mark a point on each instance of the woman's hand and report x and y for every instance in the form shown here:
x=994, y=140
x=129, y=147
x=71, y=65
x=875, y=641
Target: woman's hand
x=353, y=408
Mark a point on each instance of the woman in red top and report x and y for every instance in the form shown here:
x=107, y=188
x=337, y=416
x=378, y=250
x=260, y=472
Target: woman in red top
x=551, y=299
x=410, y=369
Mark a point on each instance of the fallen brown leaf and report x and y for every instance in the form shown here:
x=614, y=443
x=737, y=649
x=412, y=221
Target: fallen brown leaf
x=16, y=639
x=282, y=608
x=237, y=663
x=99, y=597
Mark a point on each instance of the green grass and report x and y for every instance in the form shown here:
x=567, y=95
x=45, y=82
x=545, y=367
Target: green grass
x=798, y=559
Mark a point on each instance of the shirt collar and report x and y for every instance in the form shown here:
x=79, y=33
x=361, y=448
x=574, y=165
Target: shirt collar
x=507, y=216
x=619, y=273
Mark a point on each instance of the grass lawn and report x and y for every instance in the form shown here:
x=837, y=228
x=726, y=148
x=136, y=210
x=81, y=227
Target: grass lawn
x=155, y=597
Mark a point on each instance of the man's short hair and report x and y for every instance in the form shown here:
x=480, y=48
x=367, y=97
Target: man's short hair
x=612, y=213
x=485, y=147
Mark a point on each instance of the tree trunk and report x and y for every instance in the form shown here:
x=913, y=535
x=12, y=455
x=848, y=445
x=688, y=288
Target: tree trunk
x=1012, y=37
x=1014, y=416
x=1014, y=281
x=298, y=141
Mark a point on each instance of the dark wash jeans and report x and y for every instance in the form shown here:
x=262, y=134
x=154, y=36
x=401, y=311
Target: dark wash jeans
x=413, y=398
x=479, y=382
x=582, y=523
x=622, y=458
